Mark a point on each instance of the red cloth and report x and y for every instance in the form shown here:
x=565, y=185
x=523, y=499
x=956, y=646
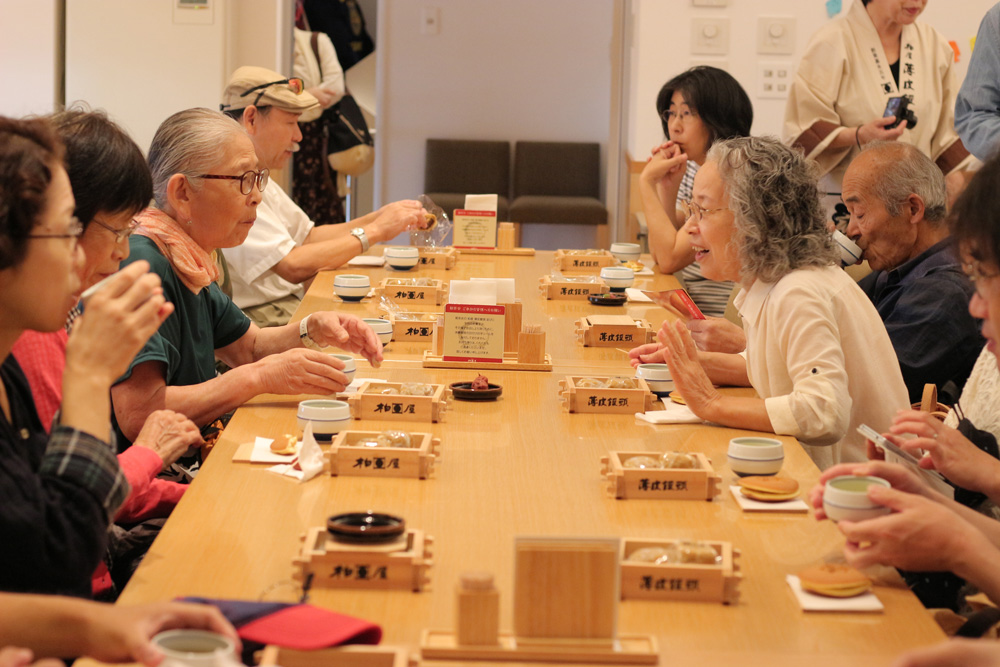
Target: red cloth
x=42, y=357
x=307, y=628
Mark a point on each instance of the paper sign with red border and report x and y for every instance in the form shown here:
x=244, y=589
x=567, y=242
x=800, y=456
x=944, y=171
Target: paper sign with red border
x=473, y=333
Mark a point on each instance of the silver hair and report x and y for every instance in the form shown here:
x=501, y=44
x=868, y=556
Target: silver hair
x=904, y=170
x=780, y=225
x=188, y=142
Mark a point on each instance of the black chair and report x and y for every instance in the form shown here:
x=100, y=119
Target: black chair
x=454, y=168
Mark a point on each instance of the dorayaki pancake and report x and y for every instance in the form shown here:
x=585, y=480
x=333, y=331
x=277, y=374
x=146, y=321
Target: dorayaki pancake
x=834, y=580
x=431, y=221
x=677, y=398
x=769, y=489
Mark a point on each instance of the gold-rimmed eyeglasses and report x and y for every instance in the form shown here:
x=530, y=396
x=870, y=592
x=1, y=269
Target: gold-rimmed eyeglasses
x=122, y=234
x=246, y=179
x=683, y=116
x=690, y=209
x=974, y=271
x=74, y=232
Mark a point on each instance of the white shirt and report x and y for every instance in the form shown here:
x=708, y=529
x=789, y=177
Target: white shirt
x=280, y=226
x=308, y=69
x=819, y=355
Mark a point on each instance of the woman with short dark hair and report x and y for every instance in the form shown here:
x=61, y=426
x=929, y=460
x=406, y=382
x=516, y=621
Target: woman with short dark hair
x=697, y=108
x=58, y=492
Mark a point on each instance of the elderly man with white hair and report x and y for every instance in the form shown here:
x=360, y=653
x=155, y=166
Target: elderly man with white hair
x=896, y=197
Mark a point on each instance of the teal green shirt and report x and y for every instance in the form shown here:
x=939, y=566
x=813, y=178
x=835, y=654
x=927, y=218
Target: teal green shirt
x=200, y=324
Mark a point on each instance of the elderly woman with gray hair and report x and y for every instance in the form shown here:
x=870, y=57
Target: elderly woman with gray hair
x=817, y=351
x=206, y=188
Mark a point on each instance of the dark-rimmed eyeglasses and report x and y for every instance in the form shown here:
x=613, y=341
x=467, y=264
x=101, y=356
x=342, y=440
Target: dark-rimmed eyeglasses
x=295, y=84
x=684, y=116
x=74, y=232
x=122, y=234
x=690, y=209
x=973, y=270
x=246, y=179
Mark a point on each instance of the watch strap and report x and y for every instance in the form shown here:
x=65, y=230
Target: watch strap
x=304, y=335
x=359, y=234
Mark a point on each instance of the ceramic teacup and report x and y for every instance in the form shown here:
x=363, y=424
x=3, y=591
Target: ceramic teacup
x=755, y=456
x=195, y=648
x=846, y=498
x=328, y=417
x=351, y=287
x=617, y=278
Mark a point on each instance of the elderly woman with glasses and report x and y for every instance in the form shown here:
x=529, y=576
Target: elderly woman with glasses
x=817, y=351
x=206, y=188
x=58, y=490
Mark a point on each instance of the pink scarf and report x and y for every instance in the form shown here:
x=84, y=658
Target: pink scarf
x=195, y=267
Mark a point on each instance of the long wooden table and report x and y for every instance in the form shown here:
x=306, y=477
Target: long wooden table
x=518, y=466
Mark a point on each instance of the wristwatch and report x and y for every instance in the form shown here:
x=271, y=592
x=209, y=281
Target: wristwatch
x=305, y=337
x=359, y=233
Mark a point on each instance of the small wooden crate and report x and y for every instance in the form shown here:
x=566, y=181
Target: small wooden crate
x=413, y=331
x=417, y=461
x=367, y=403
x=399, y=565
x=702, y=583
x=699, y=483
x=403, y=289
x=554, y=288
x=609, y=401
x=613, y=331
x=342, y=656
x=570, y=260
x=438, y=258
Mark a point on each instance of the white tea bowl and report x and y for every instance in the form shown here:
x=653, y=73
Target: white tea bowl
x=845, y=498
x=351, y=287
x=402, y=258
x=657, y=376
x=755, y=456
x=382, y=328
x=328, y=417
x=626, y=252
x=617, y=278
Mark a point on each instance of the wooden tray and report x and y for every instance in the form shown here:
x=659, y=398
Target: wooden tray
x=509, y=363
x=666, y=483
x=402, y=289
x=613, y=331
x=624, y=650
x=342, y=656
x=553, y=288
x=346, y=459
x=516, y=252
x=413, y=331
x=371, y=405
x=438, y=258
x=570, y=260
x=399, y=565
x=704, y=583
x=608, y=401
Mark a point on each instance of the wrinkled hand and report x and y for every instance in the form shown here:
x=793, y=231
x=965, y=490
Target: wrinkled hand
x=875, y=130
x=169, y=434
x=948, y=451
x=395, y=218
x=717, y=334
x=348, y=332
x=650, y=353
x=920, y=534
x=11, y=656
x=689, y=377
x=122, y=634
x=899, y=476
x=301, y=371
x=964, y=652
x=118, y=321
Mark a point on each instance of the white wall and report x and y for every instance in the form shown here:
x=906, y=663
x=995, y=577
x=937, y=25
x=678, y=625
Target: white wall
x=661, y=49
x=498, y=70
x=29, y=57
x=143, y=60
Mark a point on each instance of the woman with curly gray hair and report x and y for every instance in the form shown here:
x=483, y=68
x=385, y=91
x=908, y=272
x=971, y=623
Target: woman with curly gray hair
x=817, y=351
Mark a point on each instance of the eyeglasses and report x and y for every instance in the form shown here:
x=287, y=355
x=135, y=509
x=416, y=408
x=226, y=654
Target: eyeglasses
x=74, y=232
x=120, y=234
x=295, y=84
x=247, y=179
x=977, y=276
x=684, y=116
x=689, y=210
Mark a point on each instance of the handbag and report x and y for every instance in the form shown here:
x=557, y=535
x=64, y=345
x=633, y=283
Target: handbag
x=349, y=146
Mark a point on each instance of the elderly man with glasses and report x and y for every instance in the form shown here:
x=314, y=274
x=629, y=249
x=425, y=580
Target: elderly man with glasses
x=285, y=249
x=896, y=197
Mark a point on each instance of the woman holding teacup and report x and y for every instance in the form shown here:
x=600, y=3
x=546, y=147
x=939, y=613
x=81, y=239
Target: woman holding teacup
x=206, y=188
x=817, y=351
x=60, y=489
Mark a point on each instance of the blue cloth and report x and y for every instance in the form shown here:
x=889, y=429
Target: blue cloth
x=924, y=303
x=977, y=107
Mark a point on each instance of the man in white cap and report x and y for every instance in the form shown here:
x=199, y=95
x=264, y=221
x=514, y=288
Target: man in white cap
x=271, y=269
